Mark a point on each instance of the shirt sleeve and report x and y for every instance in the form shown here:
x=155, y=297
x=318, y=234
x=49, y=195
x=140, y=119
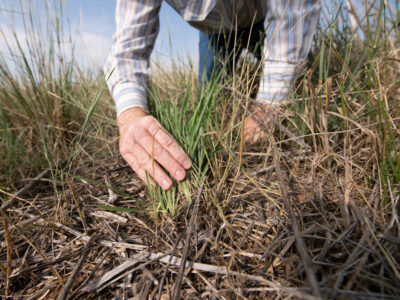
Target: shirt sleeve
x=290, y=26
x=127, y=66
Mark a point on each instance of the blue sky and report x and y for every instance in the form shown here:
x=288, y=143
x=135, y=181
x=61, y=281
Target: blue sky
x=92, y=24
x=96, y=20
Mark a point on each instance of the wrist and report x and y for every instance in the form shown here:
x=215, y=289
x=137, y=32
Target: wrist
x=130, y=114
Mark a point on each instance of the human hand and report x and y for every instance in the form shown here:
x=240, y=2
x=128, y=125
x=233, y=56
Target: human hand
x=253, y=132
x=145, y=145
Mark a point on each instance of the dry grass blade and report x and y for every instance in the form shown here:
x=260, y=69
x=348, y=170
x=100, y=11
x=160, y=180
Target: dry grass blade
x=298, y=140
x=11, y=201
x=112, y=196
x=9, y=256
x=311, y=213
x=189, y=234
x=309, y=266
x=77, y=268
x=104, y=243
x=40, y=292
x=121, y=271
x=160, y=289
x=206, y=268
x=392, y=264
x=103, y=280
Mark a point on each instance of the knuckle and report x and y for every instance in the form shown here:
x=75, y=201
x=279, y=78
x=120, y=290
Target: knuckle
x=168, y=142
x=148, y=118
x=153, y=130
x=153, y=127
x=149, y=121
x=126, y=145
x=140, y=135
x=137, y=132
x=144, y=162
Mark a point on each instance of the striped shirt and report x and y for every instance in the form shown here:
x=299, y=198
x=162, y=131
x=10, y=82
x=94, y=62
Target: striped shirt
x=289, y=29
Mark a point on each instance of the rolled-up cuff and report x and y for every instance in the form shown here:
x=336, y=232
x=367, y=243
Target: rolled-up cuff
x=128, y=95
x=277, y=82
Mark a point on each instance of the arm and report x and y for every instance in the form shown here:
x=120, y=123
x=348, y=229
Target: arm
x=137, y=28
x=144, y=143
x=290, y=27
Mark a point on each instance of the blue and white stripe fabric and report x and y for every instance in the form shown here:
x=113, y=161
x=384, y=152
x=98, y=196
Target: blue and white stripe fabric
x=289, y=24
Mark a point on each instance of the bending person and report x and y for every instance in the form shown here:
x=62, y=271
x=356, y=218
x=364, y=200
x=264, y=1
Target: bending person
x=284, y=29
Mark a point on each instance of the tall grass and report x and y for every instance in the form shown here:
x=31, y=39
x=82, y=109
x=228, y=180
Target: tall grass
x=344, y=187
x=47, y=102
x=358, y=83
x=45, y=96
x=349, y=89
x=190, y=116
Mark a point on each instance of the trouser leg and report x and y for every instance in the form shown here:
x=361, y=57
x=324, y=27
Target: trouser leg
x=224, y=49
x=206, y=57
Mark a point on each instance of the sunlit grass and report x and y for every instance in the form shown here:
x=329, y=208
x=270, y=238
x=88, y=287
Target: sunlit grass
x=345, y=183
x=55, y=113
x=46, y=99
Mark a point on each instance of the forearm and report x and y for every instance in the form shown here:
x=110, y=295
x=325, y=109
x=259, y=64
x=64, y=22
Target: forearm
x=127, y=65
x=290, y=28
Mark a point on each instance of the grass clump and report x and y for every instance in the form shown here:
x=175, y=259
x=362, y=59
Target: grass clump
x=189, y=116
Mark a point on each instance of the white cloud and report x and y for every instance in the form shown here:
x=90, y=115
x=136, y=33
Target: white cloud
x=8, y=44
x=92, y=49
x=91, y=39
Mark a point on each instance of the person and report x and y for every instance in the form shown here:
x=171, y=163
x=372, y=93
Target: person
x=287, y=27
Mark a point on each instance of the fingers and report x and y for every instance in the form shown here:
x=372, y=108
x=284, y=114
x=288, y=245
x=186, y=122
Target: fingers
x=141, y=162
x=162, y=156
x=131, y=160
x=170, y=144
x=258, y=125
x=148, y=148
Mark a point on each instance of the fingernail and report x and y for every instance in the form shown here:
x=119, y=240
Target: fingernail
x=180, y=175
x=166, y=184
x=187, y=164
